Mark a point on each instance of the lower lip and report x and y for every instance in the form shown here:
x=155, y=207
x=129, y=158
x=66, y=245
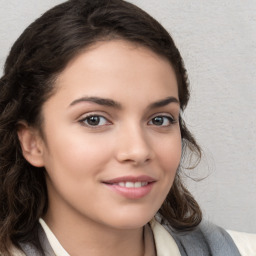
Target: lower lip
x=131, y=193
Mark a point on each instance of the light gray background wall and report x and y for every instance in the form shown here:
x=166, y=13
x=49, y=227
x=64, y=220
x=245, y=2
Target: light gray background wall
x=217, y=39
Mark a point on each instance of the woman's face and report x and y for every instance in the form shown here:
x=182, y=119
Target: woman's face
x=112, y=137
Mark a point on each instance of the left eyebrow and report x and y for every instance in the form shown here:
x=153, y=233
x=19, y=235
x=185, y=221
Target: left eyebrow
x=97, y=100
x=164, y=102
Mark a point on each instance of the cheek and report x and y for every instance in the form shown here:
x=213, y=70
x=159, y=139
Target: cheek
x=169, y=153
x=76, y=156
x=169, y=156
x=73, y=166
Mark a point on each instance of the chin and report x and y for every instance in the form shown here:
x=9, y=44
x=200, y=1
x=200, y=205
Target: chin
x=132, y=220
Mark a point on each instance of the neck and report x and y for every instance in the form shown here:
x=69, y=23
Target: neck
x=81, y=237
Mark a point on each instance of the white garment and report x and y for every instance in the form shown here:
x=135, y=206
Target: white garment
x=245, y=242
x=55, y=244
x=165, y=244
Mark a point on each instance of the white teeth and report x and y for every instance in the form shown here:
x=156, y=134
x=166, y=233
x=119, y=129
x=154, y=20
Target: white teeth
x=130, y=184
x=137, y=184
x=121, y=184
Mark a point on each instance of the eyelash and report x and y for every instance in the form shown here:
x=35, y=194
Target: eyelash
x=84, y=121
x=170, y=120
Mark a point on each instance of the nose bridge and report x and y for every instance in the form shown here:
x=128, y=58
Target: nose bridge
x=133, y=144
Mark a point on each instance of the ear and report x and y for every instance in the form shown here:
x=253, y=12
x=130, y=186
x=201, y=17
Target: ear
x=31, y=144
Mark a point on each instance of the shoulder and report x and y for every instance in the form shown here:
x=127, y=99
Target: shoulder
x=206, y=239
x=245, y=242
x=210, y=237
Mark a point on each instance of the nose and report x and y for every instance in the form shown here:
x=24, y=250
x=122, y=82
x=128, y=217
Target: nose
x=133, y=146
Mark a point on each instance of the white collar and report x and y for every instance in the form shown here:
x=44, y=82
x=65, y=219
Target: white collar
x=55, y=244
x=165, y=244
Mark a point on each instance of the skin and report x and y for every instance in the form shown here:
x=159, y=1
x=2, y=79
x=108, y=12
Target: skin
x=128, y=141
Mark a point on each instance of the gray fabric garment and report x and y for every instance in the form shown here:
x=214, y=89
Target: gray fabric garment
x=30, y=250
x=207, y=240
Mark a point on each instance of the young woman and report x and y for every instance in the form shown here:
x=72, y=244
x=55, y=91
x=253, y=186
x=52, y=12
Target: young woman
x=92, y=139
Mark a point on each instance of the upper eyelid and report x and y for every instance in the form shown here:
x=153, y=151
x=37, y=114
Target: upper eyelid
x=88, y=116
x=170, y=119
x=82, y=121
x=94, y=113
x=163, y=114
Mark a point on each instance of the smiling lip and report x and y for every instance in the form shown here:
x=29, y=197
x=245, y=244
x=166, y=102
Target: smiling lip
x=131, y=187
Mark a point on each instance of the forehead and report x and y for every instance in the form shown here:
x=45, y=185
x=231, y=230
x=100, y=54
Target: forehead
x=113, y=65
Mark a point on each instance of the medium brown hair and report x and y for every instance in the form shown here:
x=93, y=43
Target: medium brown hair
x=35, y=60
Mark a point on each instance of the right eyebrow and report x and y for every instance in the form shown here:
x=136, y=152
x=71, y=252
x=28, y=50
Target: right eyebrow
x=97, y=100
x=164, y=102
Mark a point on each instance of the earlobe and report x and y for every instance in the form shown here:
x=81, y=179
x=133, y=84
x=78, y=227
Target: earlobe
x=31, y=144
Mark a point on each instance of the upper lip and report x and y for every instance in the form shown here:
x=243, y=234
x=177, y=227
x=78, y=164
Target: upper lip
x=142, y=178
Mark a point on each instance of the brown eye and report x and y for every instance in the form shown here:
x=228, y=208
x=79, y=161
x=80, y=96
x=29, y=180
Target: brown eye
x=159, y=120
x=94, y=120
x=162, y=121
